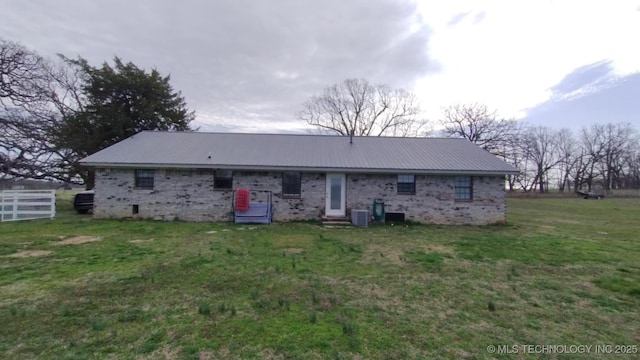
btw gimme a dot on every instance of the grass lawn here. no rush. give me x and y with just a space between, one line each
562 271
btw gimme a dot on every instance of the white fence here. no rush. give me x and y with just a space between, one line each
27 204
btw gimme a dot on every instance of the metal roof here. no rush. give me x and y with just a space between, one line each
299 152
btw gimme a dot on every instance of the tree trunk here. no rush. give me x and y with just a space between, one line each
541 180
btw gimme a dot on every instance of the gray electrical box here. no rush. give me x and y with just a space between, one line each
360 217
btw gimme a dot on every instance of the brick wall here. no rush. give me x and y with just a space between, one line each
434 201
189 195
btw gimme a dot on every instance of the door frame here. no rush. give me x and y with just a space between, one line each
341 212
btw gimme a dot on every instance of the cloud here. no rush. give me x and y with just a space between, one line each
590 94
239 63
478 17
584 80
457 18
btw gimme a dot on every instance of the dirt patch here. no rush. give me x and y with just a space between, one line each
439 248
30 253
293 241
165 352
140 241
78 240
378 253
293 250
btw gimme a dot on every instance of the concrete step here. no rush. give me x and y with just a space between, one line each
342 223
336 221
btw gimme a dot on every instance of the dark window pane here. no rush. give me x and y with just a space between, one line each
144 178
463 188
406 184
223 179
291 184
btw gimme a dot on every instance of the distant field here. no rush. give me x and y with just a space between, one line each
625 193
561 272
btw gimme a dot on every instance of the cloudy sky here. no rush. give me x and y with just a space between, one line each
248 65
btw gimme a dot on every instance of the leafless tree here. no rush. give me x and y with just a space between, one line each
356 107
606 150
23 79
632 162
22 75
540 145
481 126
515 156
568 157
616 146
35 94
590 155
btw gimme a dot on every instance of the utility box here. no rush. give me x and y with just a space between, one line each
394 217
360 218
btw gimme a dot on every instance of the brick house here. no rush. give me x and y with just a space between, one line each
193 176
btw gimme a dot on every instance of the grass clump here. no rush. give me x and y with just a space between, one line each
97 324
222 308
204 308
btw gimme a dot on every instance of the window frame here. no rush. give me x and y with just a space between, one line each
297 185
223 182
404 184
458 185
141 179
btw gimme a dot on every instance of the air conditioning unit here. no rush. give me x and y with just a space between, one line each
360 217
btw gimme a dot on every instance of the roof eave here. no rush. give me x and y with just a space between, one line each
303 169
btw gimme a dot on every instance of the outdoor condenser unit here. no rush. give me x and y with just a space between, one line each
360 217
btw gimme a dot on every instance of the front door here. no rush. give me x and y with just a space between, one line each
335 204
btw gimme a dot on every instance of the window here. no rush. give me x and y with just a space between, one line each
463 188
407 184
144 178
291 184
223 179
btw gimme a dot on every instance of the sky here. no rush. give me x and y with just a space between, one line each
249 65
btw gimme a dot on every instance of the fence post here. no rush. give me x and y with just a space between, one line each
15 208
53 205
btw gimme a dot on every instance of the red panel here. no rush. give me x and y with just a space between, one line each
242 199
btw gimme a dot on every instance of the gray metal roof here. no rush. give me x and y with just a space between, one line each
299 152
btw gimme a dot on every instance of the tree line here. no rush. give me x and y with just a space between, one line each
55 112
598 157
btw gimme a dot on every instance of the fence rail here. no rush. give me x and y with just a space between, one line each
27 204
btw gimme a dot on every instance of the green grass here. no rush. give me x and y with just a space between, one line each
561 271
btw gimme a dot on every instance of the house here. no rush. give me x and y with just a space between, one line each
193 176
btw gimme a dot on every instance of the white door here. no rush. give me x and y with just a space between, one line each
335 204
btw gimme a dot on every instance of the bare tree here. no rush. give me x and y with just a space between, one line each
24 84
481 126
590 157
616 145
632 178
605 149
356 107
22 75
517 156
568 157
540 145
